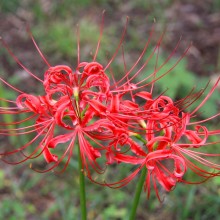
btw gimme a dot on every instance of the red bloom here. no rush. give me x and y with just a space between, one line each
107 120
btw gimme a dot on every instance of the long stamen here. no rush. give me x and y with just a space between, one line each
206 98
119 45
139 58
18 61
38 49
78 44
100 36
12 87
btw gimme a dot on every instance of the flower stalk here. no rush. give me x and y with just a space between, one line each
137 194
82 187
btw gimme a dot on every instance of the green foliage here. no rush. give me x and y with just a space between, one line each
216 5
9 6
60 39
2 176
177 79
12 210
7 118
184 201
152 5
209 108
172 76
112 212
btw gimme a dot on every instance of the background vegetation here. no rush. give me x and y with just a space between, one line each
25 194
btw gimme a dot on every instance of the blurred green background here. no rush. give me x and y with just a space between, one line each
25 194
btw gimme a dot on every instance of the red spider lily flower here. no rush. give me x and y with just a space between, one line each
57 111
171 137
89 106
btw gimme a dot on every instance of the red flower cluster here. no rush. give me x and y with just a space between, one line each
120 121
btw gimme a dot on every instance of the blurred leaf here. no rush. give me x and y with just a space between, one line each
9 6
2 177
112 212
179 77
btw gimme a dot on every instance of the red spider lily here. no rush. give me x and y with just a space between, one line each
60 111
166 130
105 117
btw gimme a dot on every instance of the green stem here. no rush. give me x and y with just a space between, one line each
137 194
82 187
